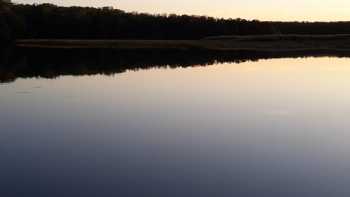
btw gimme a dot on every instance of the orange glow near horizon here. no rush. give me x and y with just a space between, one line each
274 10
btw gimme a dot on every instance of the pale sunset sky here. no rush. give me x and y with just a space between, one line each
281 10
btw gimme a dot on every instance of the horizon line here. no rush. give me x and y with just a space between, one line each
185 14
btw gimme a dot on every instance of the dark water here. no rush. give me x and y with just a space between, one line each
180 125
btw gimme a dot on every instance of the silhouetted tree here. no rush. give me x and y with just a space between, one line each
10 24
50 21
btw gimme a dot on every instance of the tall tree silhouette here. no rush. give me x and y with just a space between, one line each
50 21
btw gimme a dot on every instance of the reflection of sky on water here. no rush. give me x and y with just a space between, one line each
267 128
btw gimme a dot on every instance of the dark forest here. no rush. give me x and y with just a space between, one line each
46 21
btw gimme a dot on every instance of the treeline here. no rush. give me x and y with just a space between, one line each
50 21
11 25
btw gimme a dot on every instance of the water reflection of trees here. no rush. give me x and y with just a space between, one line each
44 63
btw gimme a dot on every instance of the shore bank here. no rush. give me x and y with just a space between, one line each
220 43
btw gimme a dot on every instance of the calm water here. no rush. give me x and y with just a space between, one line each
277 127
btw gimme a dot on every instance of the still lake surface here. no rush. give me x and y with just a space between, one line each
275 127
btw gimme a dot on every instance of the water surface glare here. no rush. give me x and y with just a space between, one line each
276 127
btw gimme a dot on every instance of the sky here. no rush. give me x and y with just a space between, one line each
275 10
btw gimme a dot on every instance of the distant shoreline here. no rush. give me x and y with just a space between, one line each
219 43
